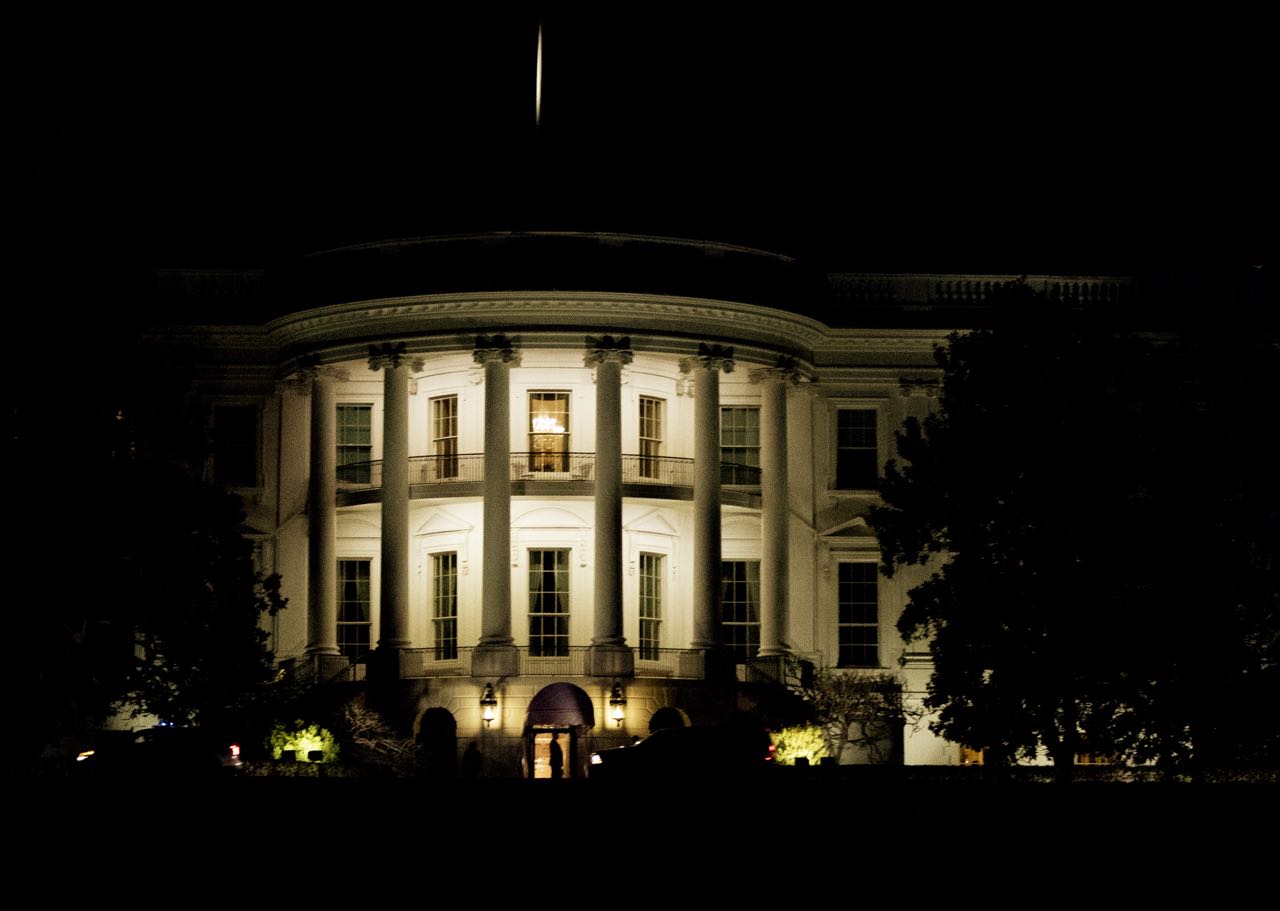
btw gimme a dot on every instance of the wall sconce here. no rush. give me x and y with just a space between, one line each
617 705
488 705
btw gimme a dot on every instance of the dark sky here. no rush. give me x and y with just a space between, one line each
858 141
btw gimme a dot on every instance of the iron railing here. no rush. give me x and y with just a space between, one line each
446 469
734 475
680 663
553 466
661 470
673 663
665 471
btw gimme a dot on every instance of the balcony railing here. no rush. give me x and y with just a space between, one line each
675 663
660 471
446 469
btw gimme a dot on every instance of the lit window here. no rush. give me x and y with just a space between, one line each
857 461
355 443
444 433
859 615
444 604
650 436
548 603
235 445
548 431
740 607
353 607
739 445
650 605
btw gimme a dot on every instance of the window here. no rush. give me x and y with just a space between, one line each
444 433
353 607
857 462
650 605
739 445
859 616
740 607
235 445
548 431
650 436
355 443
548 603
444 604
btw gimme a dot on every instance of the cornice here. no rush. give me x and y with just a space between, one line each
464 314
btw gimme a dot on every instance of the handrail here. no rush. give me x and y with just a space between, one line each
461 468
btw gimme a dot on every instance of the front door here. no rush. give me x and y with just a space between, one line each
551 753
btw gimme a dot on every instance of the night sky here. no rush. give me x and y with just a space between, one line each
858 142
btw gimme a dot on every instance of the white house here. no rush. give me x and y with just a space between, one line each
551 481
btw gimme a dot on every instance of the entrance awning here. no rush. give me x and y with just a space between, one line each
561 705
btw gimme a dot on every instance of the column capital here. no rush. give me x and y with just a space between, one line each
389 355
496 348
309 370
712 357
787 371
607 348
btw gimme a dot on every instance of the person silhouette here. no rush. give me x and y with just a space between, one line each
471 761
557 757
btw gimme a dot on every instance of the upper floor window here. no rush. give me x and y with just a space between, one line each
859 620
857 459
548 431
740 607
444 604
650 605
740 445
651 432
353 607
235 445
355 443
444 435
548 603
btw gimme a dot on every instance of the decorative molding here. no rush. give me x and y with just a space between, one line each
393 356
607 348
787 371
710 357
684 387
497 348
309 370
919 387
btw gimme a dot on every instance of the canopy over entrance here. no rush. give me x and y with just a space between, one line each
561 705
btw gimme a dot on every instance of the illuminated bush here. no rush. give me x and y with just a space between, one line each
303 738
804 741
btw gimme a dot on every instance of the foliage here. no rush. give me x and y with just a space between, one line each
370 741
807 741
1048 498
302 738
862 709
191 596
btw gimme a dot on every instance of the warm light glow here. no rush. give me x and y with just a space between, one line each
488 714
85 755
595 759
235 750
618 715
546 424
537 90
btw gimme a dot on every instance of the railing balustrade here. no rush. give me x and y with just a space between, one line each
463 468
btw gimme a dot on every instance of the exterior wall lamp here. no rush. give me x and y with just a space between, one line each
617 705
488 705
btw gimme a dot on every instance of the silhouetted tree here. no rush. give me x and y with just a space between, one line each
865 710
1067 494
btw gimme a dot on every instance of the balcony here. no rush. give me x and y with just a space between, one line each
665 663
546 474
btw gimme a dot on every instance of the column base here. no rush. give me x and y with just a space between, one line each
495 661
611 661
767 669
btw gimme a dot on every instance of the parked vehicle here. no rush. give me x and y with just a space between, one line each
163 750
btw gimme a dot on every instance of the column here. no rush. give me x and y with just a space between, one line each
394 614
609 655
775 512
706 367
496 656
322 566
